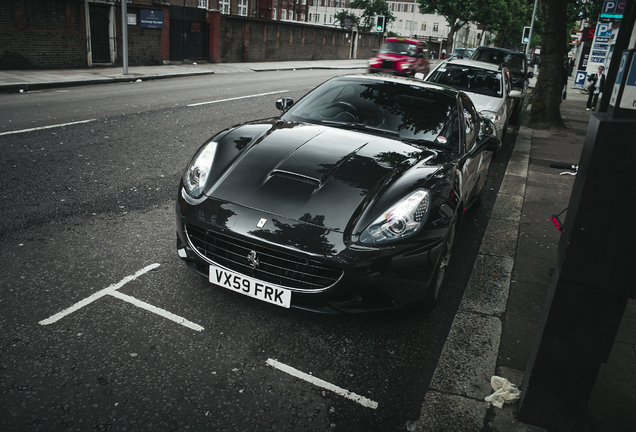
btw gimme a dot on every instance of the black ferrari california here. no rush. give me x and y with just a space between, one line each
347 202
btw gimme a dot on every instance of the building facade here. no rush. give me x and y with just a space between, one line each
87 33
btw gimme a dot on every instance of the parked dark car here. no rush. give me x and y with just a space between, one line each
347 202
462 53
400 56
517 65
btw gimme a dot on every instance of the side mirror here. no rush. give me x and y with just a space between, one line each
530 75
515 94
486 143
283 104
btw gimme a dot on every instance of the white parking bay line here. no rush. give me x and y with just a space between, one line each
158 311
368 403
237 98
46 127
112 290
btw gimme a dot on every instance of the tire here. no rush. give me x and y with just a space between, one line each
432 293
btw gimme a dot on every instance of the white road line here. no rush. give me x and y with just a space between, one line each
46 127
368 403
236 98
158 311
99 294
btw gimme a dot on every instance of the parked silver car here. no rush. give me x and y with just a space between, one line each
488 85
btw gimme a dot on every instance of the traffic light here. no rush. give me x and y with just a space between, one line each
379 24
526 35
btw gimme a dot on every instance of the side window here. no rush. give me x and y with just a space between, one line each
471 123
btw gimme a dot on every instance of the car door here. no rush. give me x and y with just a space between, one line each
509 102
470 166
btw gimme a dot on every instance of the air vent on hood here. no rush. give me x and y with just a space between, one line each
297 177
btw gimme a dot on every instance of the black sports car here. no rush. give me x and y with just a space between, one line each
347 202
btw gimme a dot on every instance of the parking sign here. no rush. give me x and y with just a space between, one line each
579 79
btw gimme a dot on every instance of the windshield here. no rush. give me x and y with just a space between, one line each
401 48
469 79
516 63
409 112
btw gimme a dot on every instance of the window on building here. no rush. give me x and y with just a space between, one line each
203 4
331 3
407 27
224 6
317 18
274 16
423 26
283 14
290 15
242 7
302 17
435 27
304 2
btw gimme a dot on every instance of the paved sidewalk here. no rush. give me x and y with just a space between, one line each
497 320
26 80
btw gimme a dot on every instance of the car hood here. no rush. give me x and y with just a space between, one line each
486 103
316 174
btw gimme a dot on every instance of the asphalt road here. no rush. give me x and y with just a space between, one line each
104 328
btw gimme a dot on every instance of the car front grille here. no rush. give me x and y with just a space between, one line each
280 268
387 64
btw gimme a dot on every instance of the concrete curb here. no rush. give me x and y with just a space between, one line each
25 86
461 381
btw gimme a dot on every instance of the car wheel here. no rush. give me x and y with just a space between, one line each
432 294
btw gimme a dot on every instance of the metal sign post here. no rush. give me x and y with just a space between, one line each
124 34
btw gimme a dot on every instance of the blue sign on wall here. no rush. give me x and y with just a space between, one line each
151 18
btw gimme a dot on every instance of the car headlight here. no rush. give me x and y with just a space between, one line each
196 176
492 116
401 220
404 65
374 62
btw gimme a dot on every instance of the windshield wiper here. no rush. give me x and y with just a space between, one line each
361 126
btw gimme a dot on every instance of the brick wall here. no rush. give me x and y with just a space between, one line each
38 34
144 44
248 39
42 34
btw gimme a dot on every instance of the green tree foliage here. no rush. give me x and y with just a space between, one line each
457 13
590 10
508 19
371 9
343 15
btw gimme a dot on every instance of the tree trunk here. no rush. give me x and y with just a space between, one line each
546 102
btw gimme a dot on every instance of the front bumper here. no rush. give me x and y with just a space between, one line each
368 278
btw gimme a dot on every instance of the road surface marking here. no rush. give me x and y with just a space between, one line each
158 311
112 291
46 127
324 384
237 98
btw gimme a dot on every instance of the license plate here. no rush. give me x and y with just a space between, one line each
250 287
